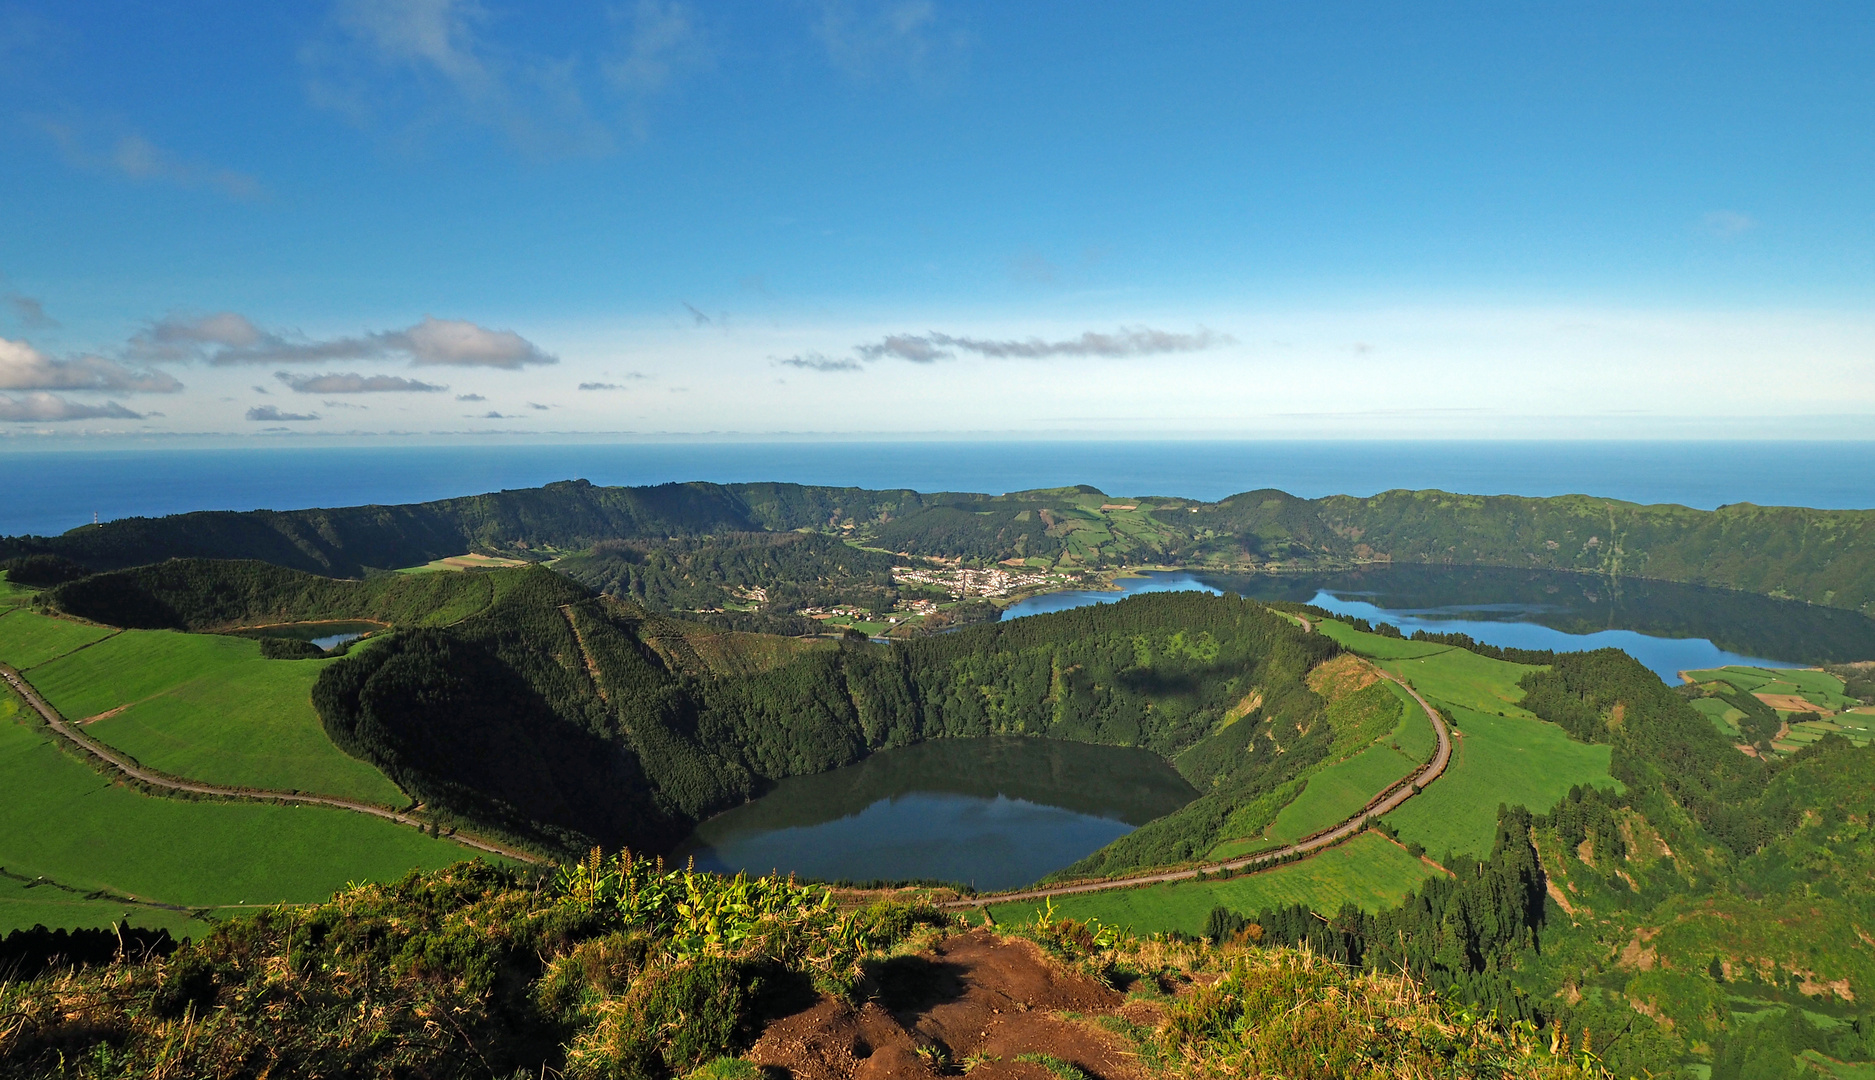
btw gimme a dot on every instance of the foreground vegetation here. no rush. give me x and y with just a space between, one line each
619 968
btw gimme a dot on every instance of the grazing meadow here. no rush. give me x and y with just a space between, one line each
203 706
1501 753
65 821
1369 871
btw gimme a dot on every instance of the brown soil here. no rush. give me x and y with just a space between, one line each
1344 675
1791 703
971 995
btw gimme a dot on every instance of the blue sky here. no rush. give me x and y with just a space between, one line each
403 216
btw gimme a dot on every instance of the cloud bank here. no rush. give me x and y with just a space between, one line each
227 338
350 383
1122 343
38 408
23 367
928 348
817 362
272 414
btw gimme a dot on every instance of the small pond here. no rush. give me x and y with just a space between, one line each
323 634
993 812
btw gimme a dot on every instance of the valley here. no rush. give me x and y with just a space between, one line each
250 733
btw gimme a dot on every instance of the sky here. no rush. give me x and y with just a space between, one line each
416 218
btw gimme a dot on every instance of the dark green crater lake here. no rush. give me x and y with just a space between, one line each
993 812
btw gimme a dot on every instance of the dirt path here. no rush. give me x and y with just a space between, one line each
1379 805
153 778
592 668
975 996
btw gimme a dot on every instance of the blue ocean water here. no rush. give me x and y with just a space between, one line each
49 491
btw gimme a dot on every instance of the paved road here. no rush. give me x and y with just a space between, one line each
156 779
1380 804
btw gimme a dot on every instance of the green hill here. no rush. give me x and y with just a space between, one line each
1824 557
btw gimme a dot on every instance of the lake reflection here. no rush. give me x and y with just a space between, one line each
1151 581
1669 627
992 812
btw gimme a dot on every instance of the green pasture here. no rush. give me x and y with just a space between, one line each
1369 871
208 707
11 594
26 904
62 820
1724 717
28 639
1414 736
1337 792
1375 646
1838 1070
1818 687
1458 677
1496 759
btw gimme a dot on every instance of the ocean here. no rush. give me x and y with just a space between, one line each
49 491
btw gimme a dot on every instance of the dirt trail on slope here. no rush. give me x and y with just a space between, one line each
974 994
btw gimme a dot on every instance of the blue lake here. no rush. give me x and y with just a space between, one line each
991 812
1667 657
1666 626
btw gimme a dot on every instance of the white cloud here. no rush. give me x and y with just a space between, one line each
1726 224
23 367
37 408
460 343
931 347
412 62
227 338
135 156
661 42
865 38
350 383
814 361
272 414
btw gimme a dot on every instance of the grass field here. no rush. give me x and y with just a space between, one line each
462 562
1496 759
1501 754
28 639
24 905
1338 792
1724 717
63 821
1369 870
1414 736
207 707
13 595
1819 687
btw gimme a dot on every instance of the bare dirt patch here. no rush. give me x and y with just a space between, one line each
975 996
1792 703
1343 675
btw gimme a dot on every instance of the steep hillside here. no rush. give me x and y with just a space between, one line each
562 718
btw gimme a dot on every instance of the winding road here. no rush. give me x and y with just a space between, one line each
1379 805
153 778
